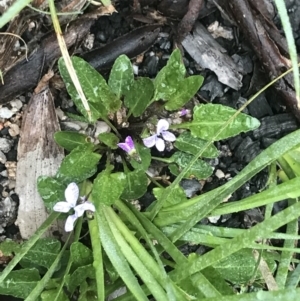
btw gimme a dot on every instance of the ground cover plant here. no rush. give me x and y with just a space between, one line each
99 180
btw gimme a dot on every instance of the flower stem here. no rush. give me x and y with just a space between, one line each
165 160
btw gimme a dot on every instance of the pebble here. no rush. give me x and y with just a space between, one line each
101 127
5 145
214 219
6 113
3 173
71 126
2 158
14 130
220 174
60 114
16 104
190 187
11 169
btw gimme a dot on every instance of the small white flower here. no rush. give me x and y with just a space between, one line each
71 195
161 130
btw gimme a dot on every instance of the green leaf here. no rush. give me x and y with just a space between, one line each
208 119
121 76
116 256
108 187
79 276
70 140
51 190
145 156
190 144
185 90
136 185
169 77
79 165
97 108
50 295
77 117
101 99
109 139
239 267
80 255
43 253
139 96
200 170
9 247
20 283
176 196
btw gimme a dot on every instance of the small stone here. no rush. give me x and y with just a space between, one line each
11 169
190 187
6 113
3 173
135 69
214 219
17 104
101 127
5 145
2 158
68 125
219 174
60 114
12 185
14 130
89 41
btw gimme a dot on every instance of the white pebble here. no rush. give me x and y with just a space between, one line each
214 219
5 145
135 69
101 127
5 113
71 126
2 158
219 174
3 173
17 103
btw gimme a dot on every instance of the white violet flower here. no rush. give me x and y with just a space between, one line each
71 195
161 130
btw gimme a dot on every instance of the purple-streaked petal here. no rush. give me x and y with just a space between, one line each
62 207
160 144
168 136
162 125
69 225
150 141
183 112
79 210
128 145
124 146
129 142
72 194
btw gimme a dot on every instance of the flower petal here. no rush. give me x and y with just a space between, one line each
128 146
79 210
150 141
69 225
162 125
129 142
160 144
183 112
124 147
72 194
62 207
168 136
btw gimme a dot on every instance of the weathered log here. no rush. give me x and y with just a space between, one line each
38 155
